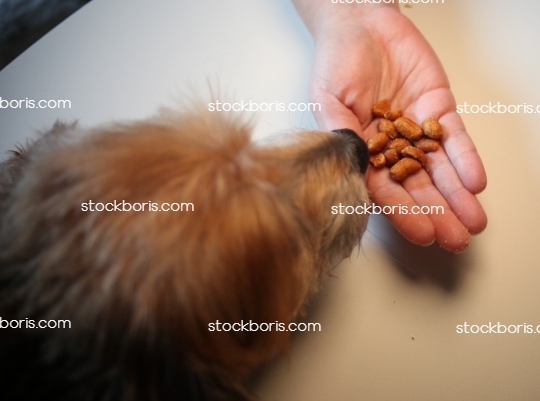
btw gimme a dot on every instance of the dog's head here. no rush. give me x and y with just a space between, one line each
253 238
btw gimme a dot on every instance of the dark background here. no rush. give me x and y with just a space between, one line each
23 22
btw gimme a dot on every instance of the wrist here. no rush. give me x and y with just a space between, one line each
326 16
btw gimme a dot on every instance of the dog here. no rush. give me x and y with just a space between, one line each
141 287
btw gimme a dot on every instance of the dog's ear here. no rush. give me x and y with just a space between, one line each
12 169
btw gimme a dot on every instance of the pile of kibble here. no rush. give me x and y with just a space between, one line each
401 144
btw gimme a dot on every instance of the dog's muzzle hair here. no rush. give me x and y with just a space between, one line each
140 288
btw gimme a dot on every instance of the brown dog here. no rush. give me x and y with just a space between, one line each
141 287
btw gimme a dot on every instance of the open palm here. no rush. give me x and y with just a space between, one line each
382 55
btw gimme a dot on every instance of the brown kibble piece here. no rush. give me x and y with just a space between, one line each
399 144
388 128
377 143
404 168
415 153
392 157
427 145
432 128
402 144
381 108
377 160
408 128
393 114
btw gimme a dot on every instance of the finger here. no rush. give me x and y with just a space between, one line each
440 104
462 153
450 232
385 192
334 115
463 203
456 168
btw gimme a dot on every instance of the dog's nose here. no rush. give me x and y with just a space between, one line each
362 152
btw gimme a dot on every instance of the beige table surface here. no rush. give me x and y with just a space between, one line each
389 316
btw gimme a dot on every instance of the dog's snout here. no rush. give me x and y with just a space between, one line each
362 152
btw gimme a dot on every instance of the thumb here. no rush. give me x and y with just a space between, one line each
333 115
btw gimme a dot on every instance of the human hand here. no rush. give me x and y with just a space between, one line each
365 54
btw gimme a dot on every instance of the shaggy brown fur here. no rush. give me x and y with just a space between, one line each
140 288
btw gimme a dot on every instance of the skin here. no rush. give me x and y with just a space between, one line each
367 52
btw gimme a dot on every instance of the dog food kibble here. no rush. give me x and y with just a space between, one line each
392 157
432 128
393 114
404 168
381 108
377 143
427 145
377 160
401 144
415 153
388 128
408 128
